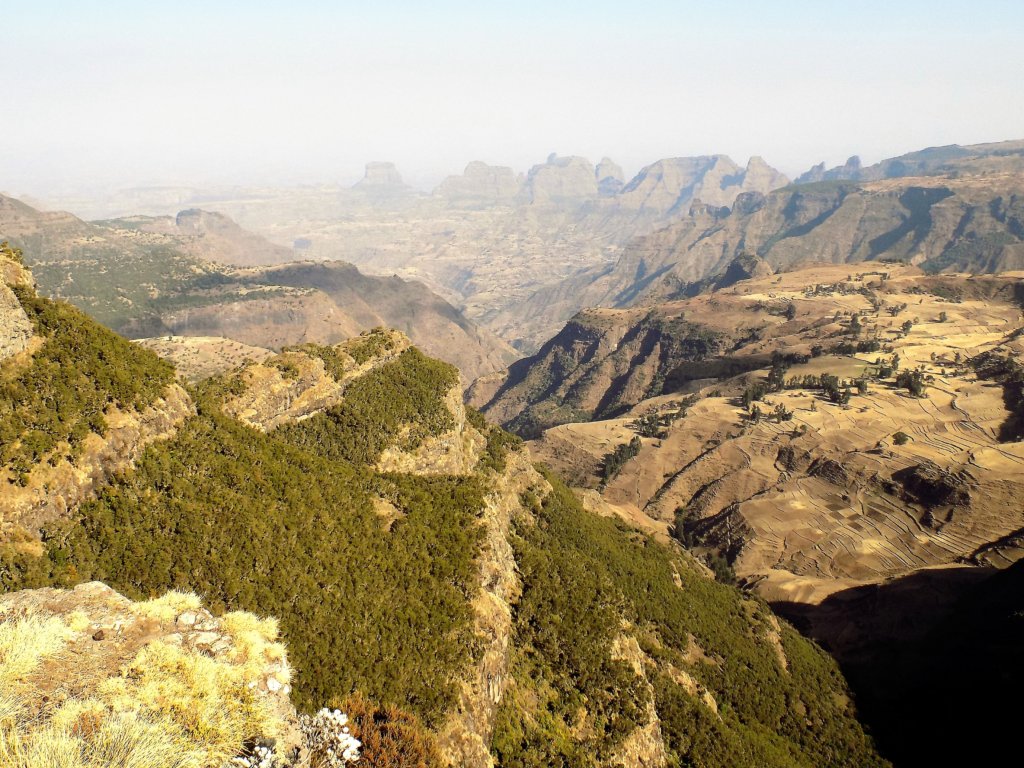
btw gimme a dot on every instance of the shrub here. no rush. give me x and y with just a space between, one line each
900 438
9 252
584 579
80 370
913 381
389 736
616 460
721 568
170 705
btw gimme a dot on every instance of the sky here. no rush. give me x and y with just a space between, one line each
114 93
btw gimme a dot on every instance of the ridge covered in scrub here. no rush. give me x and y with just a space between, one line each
414 556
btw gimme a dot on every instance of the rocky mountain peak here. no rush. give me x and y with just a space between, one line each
849 170
561 180
610 178
380 176
480 184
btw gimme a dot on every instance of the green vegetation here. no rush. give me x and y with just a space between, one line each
900 438
263 522
499 442
126 284
583 576
615 460
913 381
333 359
370 344
399 402
80 369
285 523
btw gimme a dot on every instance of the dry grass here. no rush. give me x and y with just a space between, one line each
169 706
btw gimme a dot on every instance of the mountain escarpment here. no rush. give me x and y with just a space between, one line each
512 626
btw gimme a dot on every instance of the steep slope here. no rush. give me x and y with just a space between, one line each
70 418
918 466
414 554
149 277
963 217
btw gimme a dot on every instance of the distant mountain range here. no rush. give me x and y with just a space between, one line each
949 209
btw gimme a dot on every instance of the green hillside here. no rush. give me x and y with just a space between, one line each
286 523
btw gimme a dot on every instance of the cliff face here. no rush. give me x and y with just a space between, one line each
40 492
53 490
15 327
601 364
670 186
480 185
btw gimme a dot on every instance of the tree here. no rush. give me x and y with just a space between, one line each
942 317
777 377
913 381
900 438
791 311
781 414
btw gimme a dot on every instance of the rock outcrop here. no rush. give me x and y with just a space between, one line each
153 683
54 489
465 738
560 181
295 385
453 453
668 187
610 178
480 185
15 327
381 177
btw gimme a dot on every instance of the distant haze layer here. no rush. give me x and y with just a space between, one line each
237 93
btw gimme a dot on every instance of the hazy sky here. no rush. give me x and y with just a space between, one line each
149 92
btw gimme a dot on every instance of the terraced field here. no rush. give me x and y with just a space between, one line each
835 494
